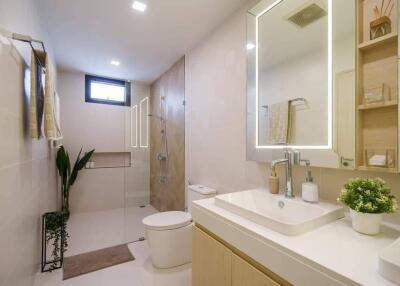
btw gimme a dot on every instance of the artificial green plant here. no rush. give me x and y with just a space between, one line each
368 196
68 176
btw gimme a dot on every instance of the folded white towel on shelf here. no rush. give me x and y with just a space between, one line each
377 160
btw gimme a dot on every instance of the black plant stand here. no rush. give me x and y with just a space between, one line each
48 266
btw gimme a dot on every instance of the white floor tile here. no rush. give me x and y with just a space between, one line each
102 229
134 228
96 230
150 276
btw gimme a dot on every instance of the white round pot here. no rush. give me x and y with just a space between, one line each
366 223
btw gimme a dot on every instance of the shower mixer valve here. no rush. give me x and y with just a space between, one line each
161 157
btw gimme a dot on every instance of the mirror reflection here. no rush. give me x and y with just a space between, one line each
293 71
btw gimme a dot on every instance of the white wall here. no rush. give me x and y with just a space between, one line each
105 128
27 167
215 91
215 121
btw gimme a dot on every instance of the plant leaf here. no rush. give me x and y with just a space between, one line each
79 165
82 163
74 172
68 163
60 161
63 165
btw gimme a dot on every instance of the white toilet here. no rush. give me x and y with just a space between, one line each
169 234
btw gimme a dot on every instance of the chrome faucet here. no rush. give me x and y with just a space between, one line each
291 157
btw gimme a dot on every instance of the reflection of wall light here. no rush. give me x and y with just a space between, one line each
139 6
250 46
330 84
330 74
115 63
144 100
134 122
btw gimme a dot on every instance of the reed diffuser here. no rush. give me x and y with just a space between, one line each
381 25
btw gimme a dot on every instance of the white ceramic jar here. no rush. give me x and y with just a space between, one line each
366 223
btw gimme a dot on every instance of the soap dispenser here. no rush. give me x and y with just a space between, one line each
309 190
273 182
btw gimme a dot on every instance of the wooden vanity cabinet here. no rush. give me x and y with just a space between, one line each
211 262
216 264
243 273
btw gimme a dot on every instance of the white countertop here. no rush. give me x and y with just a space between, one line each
333 254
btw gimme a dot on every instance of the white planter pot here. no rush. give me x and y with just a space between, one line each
366 223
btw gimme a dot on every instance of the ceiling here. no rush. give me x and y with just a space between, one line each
87 34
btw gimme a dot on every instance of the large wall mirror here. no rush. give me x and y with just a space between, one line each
301 80
293 74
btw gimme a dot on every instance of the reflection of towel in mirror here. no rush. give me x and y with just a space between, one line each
51 122
279 123
37 95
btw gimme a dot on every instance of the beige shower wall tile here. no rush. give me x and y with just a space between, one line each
12 87
16 187
44 179
26 176
15 144
20 221
171 194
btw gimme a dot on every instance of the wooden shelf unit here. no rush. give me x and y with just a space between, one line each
377 125
371 44
377 105
377 169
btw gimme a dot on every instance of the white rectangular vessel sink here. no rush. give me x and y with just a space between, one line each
389 262
283 215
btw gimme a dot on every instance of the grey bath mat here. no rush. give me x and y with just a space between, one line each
96 260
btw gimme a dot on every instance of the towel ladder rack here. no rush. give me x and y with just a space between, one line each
30 41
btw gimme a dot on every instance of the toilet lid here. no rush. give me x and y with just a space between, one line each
167 220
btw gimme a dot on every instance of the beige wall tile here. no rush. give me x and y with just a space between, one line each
99 189
27 169
168 195
91 126
215 90
105 128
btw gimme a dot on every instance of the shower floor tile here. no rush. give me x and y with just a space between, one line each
96 230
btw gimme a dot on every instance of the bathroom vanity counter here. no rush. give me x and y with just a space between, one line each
333 254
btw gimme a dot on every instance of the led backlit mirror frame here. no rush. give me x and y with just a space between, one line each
254 15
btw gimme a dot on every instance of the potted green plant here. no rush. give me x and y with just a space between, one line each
368 200
68 175
54 234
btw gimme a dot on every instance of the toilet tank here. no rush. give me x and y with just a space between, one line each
198 192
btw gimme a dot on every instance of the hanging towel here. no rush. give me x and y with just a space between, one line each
37 94
51 101
279 123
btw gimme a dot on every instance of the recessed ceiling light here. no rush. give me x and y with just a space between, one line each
250 46
139 6
115 63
